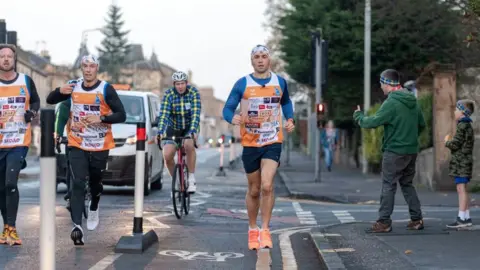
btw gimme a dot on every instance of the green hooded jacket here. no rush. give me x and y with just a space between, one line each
61 116
402 119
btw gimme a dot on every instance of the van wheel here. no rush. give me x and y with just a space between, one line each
147 187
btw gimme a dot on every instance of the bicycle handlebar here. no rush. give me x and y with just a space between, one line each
174 138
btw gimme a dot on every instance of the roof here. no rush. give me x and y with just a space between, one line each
135 93
32 59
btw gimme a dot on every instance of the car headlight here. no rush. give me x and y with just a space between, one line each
210 141
220 140
131 140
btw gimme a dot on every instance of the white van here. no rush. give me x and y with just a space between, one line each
120 170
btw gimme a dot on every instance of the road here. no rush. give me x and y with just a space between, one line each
212 236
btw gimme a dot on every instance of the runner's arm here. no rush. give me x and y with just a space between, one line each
34 98
195 111
62 116
233 100
55 96
165 113
286 102
118 111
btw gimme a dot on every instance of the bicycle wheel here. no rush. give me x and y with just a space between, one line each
177 194
186 195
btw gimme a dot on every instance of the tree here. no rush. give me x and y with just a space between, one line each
406 35
115 45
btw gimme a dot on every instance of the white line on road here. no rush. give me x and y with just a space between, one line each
344 216
288 257
105 262
305 217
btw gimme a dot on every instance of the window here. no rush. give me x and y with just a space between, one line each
134 108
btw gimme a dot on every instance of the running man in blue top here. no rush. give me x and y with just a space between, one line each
262 96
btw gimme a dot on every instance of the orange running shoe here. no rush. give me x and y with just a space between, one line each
253 242
13 238
265 239
3 236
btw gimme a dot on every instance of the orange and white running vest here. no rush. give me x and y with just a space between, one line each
14 101
89 137
261 113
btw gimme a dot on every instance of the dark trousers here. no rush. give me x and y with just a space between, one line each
401 169
85 166
11 161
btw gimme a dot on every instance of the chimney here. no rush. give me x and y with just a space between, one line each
45 54
190 74
3 31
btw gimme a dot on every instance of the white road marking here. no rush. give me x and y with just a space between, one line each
288 257
344 216
105 262
190 256
305 217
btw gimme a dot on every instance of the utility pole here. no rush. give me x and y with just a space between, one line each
318 97
367 73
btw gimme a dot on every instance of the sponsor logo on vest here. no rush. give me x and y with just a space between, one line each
277 91
275 100
11 140
22 91
252 125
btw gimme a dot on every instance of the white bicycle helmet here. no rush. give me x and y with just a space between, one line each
179 76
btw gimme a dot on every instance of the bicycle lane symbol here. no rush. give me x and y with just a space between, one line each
190 256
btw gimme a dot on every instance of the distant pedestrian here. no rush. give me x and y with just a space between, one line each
403 121
461 162
329 142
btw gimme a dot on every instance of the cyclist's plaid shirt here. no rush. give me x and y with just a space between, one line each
180 111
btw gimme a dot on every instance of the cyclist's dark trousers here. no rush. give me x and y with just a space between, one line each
11 160
86 166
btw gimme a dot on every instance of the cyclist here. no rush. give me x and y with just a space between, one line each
94 106
262 95
180 116
20 103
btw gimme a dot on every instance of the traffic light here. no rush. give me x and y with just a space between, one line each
320 108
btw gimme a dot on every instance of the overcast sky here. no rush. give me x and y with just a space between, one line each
213 38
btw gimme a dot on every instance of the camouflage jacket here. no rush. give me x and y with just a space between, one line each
461 147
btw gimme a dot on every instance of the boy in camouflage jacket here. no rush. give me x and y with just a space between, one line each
461 162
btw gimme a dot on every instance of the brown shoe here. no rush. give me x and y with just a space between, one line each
415 225
380 227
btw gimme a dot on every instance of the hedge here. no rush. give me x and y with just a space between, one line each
373 137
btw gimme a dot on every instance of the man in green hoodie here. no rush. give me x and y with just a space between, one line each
62 115
403 122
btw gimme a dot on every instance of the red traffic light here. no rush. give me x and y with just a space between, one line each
320 108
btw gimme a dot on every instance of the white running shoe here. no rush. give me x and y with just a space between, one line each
93 220
192 185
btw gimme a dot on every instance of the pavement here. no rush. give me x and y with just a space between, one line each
348 185
350 206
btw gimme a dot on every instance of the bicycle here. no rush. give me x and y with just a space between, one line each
88 196
182 170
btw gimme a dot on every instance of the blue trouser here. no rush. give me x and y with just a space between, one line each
11 161
328 156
